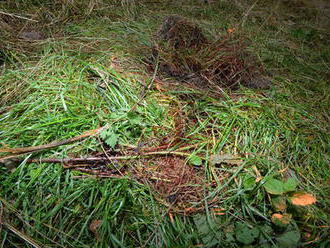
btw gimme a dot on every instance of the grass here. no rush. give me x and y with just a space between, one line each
89 74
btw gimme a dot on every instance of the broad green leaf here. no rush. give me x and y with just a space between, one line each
109 137
290 185
205 227
249 182
274 186
288 240
230 233
134 118
112 140
266 229
266 245
245 234
195 160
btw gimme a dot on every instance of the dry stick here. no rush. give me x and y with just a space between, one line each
23 150
93 172
76 166
97 176
19 215
105 159
21 235
17 16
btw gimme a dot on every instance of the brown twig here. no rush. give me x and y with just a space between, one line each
97 176
68 160
17 16
104 159
15 160
93 172
21 235
30 149
65 166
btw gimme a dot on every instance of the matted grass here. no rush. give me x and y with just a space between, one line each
89 73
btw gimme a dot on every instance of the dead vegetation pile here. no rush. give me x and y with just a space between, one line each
184 53
176 182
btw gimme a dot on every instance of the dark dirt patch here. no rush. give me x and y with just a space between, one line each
31 35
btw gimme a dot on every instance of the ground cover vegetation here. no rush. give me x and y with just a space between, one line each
110 137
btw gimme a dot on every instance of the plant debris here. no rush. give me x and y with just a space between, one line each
176 181
302 199
94 226
184 53
180 33
281 219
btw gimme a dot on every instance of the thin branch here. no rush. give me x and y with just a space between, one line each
97 176
23 150
104 159
99 159
17 16
21 235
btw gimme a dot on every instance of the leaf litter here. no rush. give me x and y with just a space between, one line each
302 199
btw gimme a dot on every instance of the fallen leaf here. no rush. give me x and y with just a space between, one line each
288 239
94 226
279 203
277 187
246 235
190 210
159 85
281 219
230 30
302 199
219 213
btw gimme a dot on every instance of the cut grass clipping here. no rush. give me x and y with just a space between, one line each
168 169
